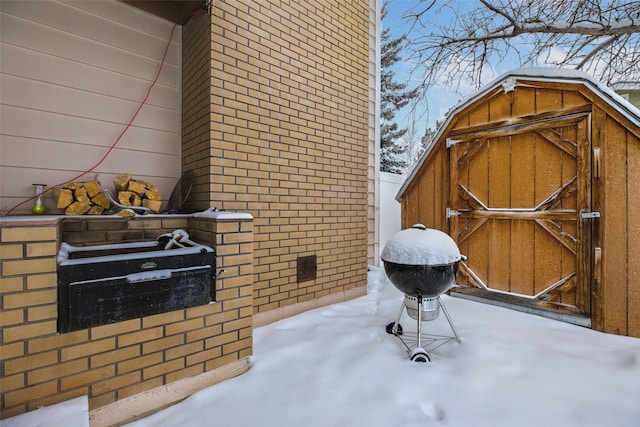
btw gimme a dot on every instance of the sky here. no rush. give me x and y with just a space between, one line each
336 366
440 100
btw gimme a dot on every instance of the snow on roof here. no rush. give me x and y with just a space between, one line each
607 94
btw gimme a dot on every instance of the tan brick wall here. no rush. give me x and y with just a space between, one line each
289 141
374 135
113 229
39 367
196 94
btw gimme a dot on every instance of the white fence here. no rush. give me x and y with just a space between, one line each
389 208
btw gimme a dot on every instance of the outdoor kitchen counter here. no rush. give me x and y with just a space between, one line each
31 292
29 220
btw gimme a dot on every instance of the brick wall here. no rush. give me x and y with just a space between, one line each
196 94
39 367
286 136
105 230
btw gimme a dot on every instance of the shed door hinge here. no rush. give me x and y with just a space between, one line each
451 142
589 215
451 212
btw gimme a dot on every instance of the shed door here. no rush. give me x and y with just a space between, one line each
517 195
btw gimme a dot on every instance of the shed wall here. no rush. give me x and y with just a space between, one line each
615 297
425 201
617 300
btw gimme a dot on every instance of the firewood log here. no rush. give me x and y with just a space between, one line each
135 192
121 182
80 198
77 208
65 198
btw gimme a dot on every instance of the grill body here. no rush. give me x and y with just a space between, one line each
421 263
421 280
104 284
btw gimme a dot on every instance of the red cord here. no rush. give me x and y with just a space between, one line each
144 101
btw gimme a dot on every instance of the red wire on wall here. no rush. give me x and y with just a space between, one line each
115 143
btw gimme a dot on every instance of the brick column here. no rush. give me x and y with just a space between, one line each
231 235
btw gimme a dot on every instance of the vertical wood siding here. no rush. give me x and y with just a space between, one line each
73 74
615 297
620 230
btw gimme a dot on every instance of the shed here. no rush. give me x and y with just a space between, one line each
537 178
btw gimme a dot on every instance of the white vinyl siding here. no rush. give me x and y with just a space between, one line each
72 75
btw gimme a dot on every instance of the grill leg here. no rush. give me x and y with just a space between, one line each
400 313
395 328
446 313
419 344
419 354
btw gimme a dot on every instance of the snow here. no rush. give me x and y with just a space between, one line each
66 249
214 213
72 413
336 366
419 245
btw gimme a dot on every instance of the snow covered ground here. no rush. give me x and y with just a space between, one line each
336 366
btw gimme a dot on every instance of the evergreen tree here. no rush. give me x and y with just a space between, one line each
393 96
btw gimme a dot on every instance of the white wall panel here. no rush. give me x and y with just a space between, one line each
30 123
72 74
50 97
43 67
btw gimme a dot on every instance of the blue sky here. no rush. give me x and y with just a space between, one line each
439 99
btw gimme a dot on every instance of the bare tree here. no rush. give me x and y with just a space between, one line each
451 45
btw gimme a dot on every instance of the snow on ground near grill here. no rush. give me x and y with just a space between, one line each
70 413
420 246
336 366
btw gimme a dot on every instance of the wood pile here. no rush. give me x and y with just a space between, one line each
88 198
134 192
80 198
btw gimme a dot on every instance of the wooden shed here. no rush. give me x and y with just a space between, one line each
537 178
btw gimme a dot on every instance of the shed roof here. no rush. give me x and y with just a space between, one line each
604 92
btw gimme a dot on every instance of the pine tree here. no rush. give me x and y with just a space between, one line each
393 96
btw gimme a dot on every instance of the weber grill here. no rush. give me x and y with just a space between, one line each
104 284
422 263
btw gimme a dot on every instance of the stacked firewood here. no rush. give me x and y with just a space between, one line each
135 193
88 198
80 198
